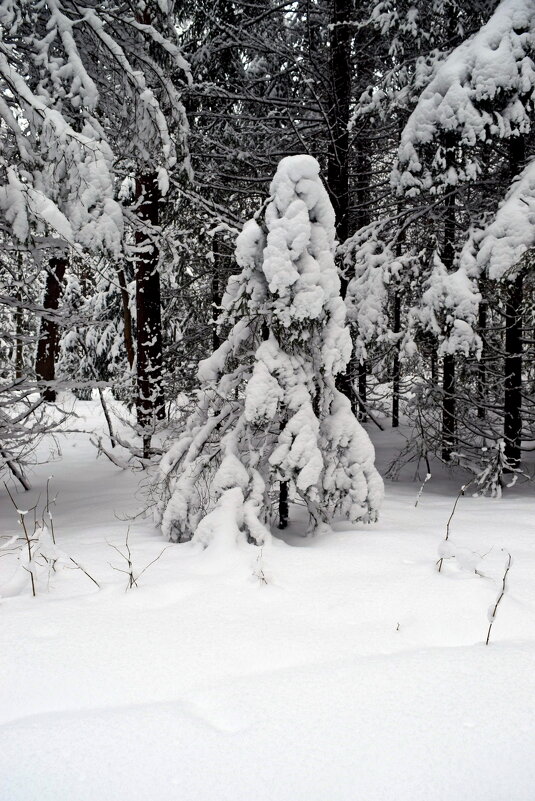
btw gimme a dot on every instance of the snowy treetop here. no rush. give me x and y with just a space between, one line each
298 258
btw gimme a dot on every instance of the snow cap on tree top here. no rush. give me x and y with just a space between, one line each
298 257
299 175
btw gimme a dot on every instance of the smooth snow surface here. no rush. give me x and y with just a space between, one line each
356 673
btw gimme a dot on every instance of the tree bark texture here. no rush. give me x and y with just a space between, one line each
338 158
340 86
512 401
150 401
448 367
217 285
127 318
47 346
482 367
283 505
396 362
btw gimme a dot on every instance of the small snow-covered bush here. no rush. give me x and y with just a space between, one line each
268 412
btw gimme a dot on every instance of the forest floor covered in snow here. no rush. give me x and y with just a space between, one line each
337 668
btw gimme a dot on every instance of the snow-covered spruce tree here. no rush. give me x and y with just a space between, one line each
268 412
387 257
467 138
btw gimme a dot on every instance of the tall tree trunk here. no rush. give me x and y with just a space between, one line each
19 341
338 153
363 166
448 366
448 406
340 85
150 401
448 256
217 284
512 401
47 346
19 324
396 328
396 364
127 317
482 367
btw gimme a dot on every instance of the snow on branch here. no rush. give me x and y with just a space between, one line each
502 243
494 66
269 414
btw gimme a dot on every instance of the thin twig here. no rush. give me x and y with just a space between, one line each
48 511
426 479
500 596
107 416
153 561
132 579
446 538
84 571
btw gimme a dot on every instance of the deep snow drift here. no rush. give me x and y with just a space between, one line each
356 672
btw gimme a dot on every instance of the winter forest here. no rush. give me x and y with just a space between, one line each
267 400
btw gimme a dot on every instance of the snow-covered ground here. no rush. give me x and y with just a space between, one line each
356 673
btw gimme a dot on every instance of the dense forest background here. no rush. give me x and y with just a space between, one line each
258 260
137 138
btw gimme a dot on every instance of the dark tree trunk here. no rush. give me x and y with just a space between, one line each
340 86
338 154
363 166
19 341
448 407
481 367
448 367
127 318
396 364
345 383
396 315
19 325
362 391
216 303
396 328
283 505
448 256
47 346
512 402
217 284
150 401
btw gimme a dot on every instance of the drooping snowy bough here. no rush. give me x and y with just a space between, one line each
483 93
268 411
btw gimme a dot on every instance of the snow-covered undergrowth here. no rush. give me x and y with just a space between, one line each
337 668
